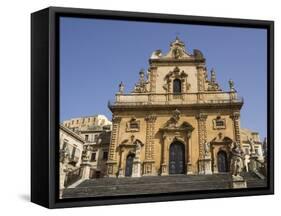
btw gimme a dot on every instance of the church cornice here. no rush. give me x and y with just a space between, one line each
207 106
176 62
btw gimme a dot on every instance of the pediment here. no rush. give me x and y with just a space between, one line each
220 138
131 142
177 51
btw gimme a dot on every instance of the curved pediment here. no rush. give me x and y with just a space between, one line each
176 73
220 138
177 52
186 125
131 142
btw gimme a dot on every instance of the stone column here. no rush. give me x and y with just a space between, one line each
188 153
202 137
200 83
170 90
63 172
152 74
112 162
236 125
62 176
120 167
148 164
164 168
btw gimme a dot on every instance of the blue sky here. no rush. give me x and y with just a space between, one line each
96 55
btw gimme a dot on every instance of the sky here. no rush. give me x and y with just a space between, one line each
96 55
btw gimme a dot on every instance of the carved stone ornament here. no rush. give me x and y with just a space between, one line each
177 53
177 48
176 74
172 122
212 84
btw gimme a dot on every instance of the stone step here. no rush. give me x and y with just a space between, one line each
147 185
155 185
114 190
156 179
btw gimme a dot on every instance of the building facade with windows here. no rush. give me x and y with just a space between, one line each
82 123
251 143
71 149
84 146
97 140
176 120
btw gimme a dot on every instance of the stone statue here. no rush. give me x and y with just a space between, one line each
138 150
121 88
236 161
246 162
251 141
140 87
231 85
64 155
207 148
85 154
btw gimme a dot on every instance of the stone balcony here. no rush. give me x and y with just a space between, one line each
183 99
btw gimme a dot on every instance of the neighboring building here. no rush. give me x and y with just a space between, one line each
251 144
82 123
97 140
73 144
71 148
84 144
175 121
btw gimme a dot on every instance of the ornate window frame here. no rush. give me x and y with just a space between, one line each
219 119
129 127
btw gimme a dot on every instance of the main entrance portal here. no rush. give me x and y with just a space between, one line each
176 162
222 161
129 165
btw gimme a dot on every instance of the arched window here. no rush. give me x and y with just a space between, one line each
177 86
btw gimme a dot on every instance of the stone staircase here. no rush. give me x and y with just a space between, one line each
254 181
152 185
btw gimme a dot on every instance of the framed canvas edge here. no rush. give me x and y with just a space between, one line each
52 200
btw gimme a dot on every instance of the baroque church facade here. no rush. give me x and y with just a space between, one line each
176 120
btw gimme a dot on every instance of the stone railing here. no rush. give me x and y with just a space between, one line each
184 98
72 176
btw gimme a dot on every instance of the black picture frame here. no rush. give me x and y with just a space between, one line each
45 105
